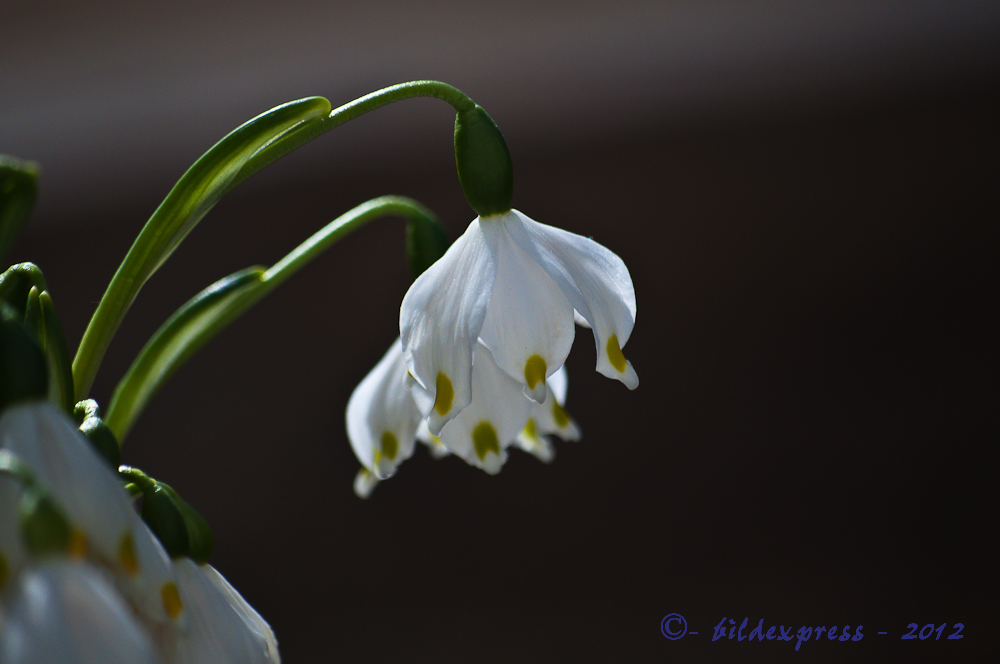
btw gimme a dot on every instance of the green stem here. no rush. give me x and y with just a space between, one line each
302 134
242 153
211 311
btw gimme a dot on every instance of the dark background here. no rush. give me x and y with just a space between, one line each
806 198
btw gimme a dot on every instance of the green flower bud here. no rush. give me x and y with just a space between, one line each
16 283
483 162
201 541
164 518
88 414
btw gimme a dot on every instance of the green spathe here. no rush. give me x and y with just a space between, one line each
483 162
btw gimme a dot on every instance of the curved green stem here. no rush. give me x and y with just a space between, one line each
307 131
209 312
236 157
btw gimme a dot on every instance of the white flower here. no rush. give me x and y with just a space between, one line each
103 520
381 416
548 418
113 596
384 419
224 628
67 611
513 285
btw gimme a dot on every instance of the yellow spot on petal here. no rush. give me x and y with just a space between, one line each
390 446
445 395
126 555
77 544
560 414
171 600
531 429
534 371
484 440
615 354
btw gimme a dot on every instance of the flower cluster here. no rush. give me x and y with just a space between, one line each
83 579
484 333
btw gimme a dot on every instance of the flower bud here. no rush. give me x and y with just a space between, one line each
162 515
483 162
97 432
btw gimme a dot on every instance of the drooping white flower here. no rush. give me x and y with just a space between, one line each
103 521
384 408
514 285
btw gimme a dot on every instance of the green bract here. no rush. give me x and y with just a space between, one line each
483 163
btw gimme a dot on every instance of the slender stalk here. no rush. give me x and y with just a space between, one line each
211 311
242 153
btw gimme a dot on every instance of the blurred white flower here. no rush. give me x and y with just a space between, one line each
512 285
113 595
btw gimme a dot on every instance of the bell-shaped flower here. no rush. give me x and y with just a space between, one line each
104 523
514 285
382 417
223 628
68 611
549 417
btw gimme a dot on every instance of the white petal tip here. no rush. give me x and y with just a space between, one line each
628 377
536 394
365 483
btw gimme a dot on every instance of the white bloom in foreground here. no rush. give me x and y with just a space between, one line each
514 285
67 611
113 595
224 628
103 520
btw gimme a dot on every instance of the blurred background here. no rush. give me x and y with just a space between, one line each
805 194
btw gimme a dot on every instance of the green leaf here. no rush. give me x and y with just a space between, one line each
186 204
181 336
18 190
209 312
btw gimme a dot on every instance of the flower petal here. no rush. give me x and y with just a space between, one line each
529 322
365 482
593 279
64 611
440 319
382 417
481 433
219 632
547 418
253 620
